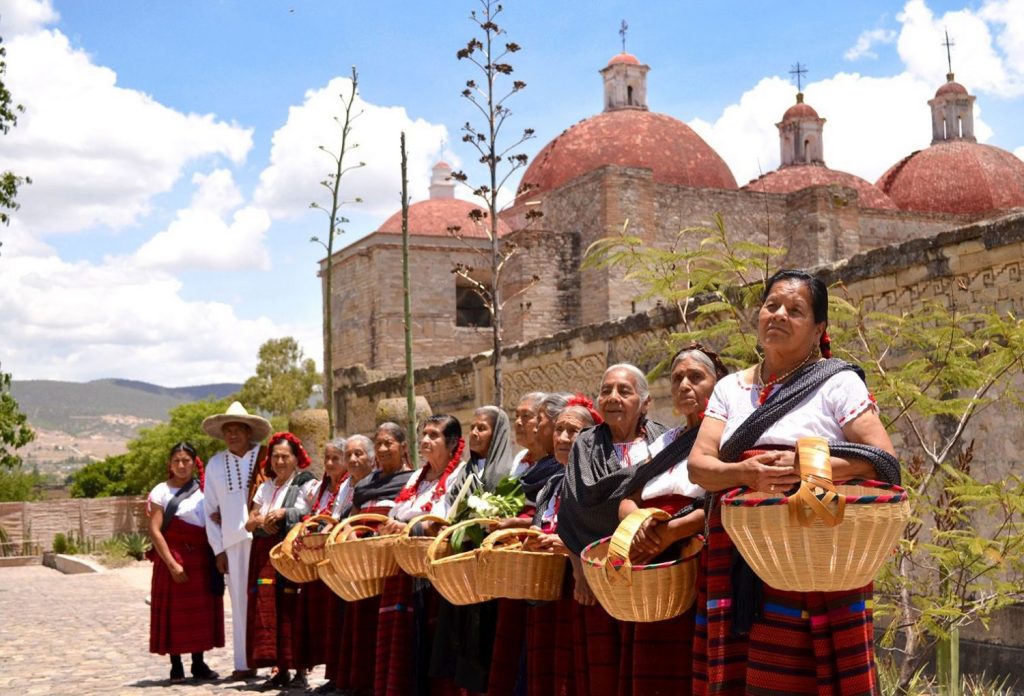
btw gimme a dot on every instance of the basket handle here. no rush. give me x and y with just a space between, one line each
315 520
352 529
422 518
617 565
495 538
435 545
813 458
365 517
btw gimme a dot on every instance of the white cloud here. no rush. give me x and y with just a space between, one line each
988 55
866 42
97 152
25 16
81 321
297 164
201 238
872 122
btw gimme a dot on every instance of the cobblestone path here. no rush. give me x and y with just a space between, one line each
89 634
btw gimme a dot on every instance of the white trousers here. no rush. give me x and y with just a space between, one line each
236 581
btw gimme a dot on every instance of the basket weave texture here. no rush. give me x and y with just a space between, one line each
311 545
813 557
507 571
654 592
454 575
364 558
411 551
289 567
346 589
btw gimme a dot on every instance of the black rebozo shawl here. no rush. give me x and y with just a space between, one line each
497 463
378 486
595 483
746 586
537 476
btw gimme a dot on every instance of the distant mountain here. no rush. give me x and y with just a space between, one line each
77 407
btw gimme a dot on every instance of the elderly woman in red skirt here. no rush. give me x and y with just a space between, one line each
186 613
280 502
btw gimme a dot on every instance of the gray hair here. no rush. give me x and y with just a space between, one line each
533 397
555 403
582 412
367 444
490 411
700 356
337 443
642 388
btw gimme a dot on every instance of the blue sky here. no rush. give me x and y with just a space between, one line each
173 145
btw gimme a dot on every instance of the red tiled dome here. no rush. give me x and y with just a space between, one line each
624 58
951 87
800 110
629 138
433 217
799 176
956 177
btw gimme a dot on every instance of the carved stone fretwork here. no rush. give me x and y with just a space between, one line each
581 373
451 389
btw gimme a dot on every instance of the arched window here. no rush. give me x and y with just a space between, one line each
629 95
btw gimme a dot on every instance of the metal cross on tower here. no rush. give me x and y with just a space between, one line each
623 28
949 56
799 71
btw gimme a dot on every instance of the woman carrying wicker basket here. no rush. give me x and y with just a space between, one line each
550 662
600 474
752 638
657 655
279 503
379 470
318 613
404 635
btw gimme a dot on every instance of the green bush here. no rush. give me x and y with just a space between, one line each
64 543
134 544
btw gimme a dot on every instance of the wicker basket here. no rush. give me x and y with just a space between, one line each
346 589
645 593
791 554
310 544
362 558
454 575
286 565
509 572
411 551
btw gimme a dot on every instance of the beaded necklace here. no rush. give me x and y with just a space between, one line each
230 458
325 509
768 387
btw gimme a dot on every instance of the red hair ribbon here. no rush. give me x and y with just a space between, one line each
278 438
582 400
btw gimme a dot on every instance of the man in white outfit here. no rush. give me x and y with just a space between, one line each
230 475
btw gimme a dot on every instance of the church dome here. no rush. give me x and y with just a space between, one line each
630 138
624 58
951 87
958 177
442 210
797 177
799 110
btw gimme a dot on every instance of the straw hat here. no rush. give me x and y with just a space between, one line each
236 413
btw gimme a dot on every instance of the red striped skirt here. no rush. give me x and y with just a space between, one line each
549 645
804 642
355 651
185 617
309 633
335 610
657 657
271 610
597 650
508 656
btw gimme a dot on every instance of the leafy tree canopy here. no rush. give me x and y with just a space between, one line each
284 379
9 111
14 430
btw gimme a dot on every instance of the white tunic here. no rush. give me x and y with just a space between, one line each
335 504
675 481
269 496
420 503
227 492
822 414
190 510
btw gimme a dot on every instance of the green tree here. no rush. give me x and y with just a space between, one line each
335 220
14 430
932 370
145 463
9 182
17 484
284 380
